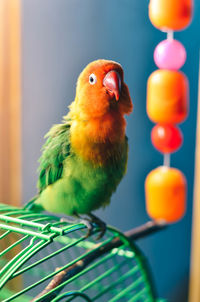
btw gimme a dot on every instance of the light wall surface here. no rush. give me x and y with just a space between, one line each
59 38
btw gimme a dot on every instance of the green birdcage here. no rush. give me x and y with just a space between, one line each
45 259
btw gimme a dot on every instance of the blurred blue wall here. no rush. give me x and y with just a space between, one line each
59 38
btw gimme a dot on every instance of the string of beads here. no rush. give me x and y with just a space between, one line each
167 106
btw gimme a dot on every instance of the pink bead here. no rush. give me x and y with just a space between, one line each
170 54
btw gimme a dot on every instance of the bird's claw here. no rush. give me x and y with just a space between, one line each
89 226
101 224
102 228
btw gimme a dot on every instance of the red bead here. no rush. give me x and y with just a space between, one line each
166 138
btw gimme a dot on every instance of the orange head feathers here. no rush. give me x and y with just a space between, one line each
101 89
102 99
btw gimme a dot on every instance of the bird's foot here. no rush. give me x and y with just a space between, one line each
89 223
68 220
82 220
101 224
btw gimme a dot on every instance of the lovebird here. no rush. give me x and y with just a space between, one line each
85 157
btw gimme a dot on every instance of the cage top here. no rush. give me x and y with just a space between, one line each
39 249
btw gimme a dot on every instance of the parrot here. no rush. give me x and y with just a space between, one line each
85 157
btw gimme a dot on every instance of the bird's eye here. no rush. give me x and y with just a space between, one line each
92 79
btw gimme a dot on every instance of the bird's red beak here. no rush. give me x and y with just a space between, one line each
112 82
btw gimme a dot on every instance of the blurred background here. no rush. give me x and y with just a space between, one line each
58 39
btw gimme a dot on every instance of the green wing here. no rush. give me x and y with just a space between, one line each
55 150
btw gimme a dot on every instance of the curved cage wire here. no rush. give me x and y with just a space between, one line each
44 259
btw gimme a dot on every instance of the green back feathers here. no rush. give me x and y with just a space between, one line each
55 150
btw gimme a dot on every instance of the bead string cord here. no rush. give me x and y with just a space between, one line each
166 159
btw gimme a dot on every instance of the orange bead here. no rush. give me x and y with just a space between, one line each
165 191
170 14
167 96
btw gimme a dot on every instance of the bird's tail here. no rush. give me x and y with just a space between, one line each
32 206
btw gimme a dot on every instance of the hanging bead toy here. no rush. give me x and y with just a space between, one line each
167 105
